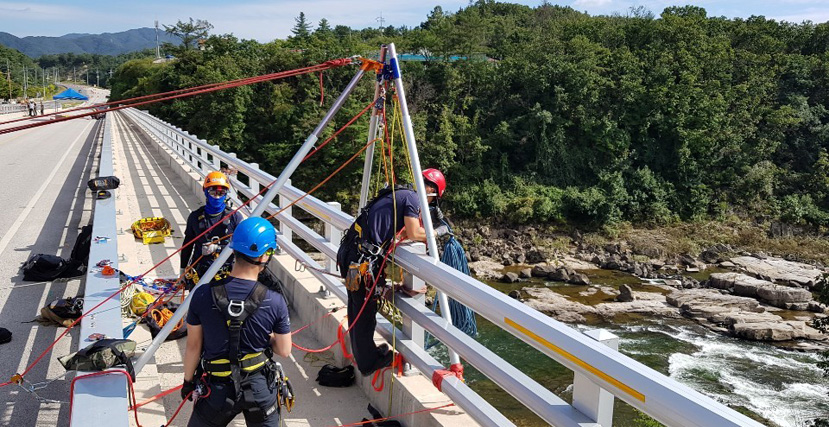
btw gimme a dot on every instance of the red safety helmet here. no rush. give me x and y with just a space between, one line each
436 178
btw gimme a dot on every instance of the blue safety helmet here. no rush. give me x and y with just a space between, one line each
253 237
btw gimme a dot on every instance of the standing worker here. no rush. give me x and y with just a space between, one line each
216 186
41 107
234 326
361 253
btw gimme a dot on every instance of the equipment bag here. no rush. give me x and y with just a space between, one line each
104 183
101 355
44 267
5 335
80 252
63 311
332 376
156 322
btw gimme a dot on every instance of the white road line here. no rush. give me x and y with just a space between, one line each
22 217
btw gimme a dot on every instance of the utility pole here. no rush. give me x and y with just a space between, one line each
9 78
381 20
97 78
157 47
25 82
73 73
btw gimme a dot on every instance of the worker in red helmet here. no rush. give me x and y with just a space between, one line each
361 253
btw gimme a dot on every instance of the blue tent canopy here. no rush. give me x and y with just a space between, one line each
70 94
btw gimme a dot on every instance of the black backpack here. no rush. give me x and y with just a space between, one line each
45 267
80 252
332 376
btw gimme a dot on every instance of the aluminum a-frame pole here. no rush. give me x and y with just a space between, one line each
372 135
421 187
275 188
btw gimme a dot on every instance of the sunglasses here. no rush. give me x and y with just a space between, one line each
217 191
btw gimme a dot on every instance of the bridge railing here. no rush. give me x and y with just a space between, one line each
601 372
102 400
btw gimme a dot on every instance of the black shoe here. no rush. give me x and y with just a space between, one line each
384 361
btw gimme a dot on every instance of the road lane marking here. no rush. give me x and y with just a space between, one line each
22 217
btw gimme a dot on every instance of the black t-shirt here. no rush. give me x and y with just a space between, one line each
271 316
381 219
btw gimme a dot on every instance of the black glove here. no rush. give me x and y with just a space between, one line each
187 387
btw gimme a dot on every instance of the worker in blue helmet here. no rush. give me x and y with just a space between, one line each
234 326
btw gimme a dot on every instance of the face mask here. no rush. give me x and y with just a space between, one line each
214 205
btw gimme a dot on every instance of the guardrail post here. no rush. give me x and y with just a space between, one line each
414 283
333 235
588 397
286 231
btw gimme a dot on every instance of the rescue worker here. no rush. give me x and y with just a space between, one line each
216 186
233 326
365 244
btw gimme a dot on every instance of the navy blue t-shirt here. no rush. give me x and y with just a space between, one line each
272 316
381 215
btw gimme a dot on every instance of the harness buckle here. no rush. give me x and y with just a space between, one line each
235 304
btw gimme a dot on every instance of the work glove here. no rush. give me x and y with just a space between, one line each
442 230
209 248
187 387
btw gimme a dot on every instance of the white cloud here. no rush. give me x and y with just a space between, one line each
591 3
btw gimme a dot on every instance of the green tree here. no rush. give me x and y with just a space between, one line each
189 32
302 29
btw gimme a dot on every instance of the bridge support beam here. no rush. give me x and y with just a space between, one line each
589 397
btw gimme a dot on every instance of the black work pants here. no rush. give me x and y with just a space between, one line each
369 357
216 410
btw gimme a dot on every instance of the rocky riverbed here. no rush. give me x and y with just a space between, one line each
750 296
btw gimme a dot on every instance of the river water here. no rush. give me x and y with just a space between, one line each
771 384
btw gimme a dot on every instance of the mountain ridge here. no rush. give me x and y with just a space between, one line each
103 44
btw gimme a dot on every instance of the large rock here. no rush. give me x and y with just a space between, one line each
747 286
625 294
779 269
559 275
485 269
543 270
563 309
556 305
535 256
525 273
742 317
579 279
509 277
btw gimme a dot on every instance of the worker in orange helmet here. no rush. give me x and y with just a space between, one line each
365 244
207 247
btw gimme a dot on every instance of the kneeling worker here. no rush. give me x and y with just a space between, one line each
365 244
234 325
216 186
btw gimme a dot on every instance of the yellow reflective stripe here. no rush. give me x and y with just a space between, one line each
220 374
218 361
576 360
254 367
250 356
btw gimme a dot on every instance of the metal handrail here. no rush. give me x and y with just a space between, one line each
659 396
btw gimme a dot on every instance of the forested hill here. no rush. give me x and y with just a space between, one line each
100 44
585 119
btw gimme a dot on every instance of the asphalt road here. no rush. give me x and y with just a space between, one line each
45 170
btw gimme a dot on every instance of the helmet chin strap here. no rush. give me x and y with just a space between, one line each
253 260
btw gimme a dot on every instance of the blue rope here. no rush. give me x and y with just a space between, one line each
463 317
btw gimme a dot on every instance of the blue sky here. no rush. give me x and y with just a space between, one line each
267 20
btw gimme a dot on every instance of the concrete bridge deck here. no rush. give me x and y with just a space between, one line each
47 204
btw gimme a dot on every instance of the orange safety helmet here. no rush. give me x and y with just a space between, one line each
216 179
436 178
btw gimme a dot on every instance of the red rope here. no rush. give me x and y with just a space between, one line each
232 84
154 398
175 414
393 417
322 91
397 362
313 68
